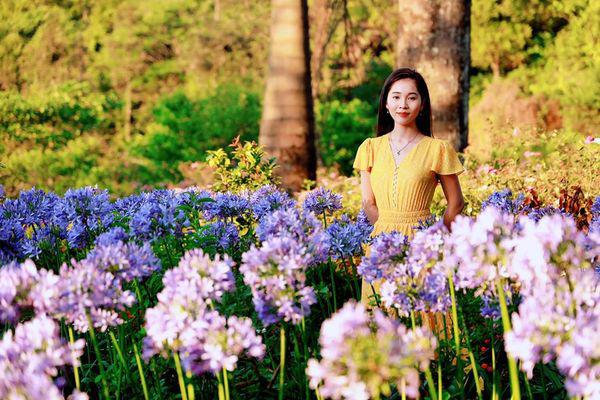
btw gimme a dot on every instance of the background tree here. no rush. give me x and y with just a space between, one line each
287 123
433 38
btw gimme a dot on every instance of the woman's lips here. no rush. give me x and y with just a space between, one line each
403 114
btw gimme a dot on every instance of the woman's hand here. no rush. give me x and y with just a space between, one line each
368 198
454 197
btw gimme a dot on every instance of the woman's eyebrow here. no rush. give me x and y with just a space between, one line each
401 93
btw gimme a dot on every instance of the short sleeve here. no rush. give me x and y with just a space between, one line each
364 156
446 160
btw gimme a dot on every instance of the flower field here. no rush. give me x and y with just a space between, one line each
196 294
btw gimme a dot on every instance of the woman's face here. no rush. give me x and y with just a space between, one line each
404 102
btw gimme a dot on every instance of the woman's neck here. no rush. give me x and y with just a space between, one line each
403 133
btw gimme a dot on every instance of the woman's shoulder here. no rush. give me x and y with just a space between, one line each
375 142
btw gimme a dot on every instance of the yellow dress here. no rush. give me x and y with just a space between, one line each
403 192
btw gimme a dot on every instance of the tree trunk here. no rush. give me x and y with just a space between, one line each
287 124
433 38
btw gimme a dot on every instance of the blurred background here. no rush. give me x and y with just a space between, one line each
131 94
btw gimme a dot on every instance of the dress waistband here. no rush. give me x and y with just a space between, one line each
402 217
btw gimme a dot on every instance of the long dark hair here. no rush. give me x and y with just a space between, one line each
385 122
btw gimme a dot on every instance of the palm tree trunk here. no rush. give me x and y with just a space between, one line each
433 38
287 124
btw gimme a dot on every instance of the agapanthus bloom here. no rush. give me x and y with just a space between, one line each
81 289
478 250
226 206
196 272
302 227
388 250
16 281
126 261
595 224
322 201
226 234
363 356
503 201
26 224
276 274
30 358
268 199
112 236
561 304
182 321
158 214
82 213
347 237
420 282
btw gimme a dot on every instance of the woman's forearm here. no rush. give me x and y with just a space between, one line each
451 212
372 212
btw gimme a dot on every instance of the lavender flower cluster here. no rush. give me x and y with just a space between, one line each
302 227
79 291
16 282
420 283
322 201
363 356
559 316
346 237
184 322
276 274
30 358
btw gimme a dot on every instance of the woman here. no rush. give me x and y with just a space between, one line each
402 166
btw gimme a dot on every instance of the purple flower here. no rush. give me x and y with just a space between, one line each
301 227
80 289
30 358
268 199
158 214
276 274
82 213
503 201
112 236
126 261
322 201
226 206
16 281
182 321
363 356
346 237
388 250
208 279
420 282
216 343
478 250
226 235
595 224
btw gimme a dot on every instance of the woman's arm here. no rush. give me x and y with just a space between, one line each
368 198
454 197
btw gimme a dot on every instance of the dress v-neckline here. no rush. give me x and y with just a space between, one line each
398 164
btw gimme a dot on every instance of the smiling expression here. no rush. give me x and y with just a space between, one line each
404 102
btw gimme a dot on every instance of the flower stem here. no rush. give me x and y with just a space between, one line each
456 337
282 361
471 356
375 295
332 274
119 351
512 365
430 383
98 356
225 384
221 391
138 361
75 368
180 376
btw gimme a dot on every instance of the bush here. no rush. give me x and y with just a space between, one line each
184 128
343 127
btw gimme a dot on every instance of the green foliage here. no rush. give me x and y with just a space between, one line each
81 162
54 117
343 127
244 168
184 129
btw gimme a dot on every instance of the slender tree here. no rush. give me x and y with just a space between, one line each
433 38
287 124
